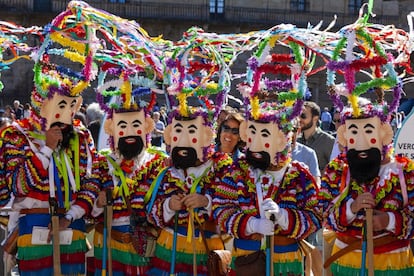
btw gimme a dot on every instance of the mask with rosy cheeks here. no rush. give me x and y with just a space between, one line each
60 109
364 134
185 134
129 128
364 139
263 139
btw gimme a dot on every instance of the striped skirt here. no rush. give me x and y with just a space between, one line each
38 259
396 262
187 254
125 260
287 259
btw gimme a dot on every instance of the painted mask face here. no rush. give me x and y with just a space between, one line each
263 141
363 134
129 133
187 140
60 109
364 142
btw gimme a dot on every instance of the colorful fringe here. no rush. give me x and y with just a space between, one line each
284 264
385 264
125 260
38 259
161 263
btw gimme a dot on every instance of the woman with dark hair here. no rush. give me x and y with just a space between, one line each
228 137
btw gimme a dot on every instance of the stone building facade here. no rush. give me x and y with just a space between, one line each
170 18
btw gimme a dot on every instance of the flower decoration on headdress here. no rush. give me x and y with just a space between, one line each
64 62
14 43
367 51
199 68
276 100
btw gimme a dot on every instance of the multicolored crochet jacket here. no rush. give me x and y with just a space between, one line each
173 183
130 182
138 174
199 180
386 189
235 200
24 176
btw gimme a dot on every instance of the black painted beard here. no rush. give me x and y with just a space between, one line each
364 169
130 147
184 157
258 160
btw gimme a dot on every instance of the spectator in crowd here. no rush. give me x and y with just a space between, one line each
228 136
94 116
81 117
223 114
305 154
337 148
326 119
26 110
164 115
313 136
157 133
9 113
17 110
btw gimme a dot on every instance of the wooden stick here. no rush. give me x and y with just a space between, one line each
55 238
109 230
272 247
191 212
370 242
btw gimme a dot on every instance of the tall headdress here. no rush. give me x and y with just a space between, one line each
198 76
64 62
131 66
275 84
366 56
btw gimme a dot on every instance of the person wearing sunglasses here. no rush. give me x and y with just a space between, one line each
228 136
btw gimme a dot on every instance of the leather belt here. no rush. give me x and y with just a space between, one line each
279 239
354 244
115 235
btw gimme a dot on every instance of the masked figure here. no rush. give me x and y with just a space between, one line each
183 205
48 158
269 195
128 171
367 177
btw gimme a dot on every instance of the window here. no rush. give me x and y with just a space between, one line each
354 6
298 5
216 6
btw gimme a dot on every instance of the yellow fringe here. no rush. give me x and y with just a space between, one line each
277 257
384 261
26 240
166 239
124 247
